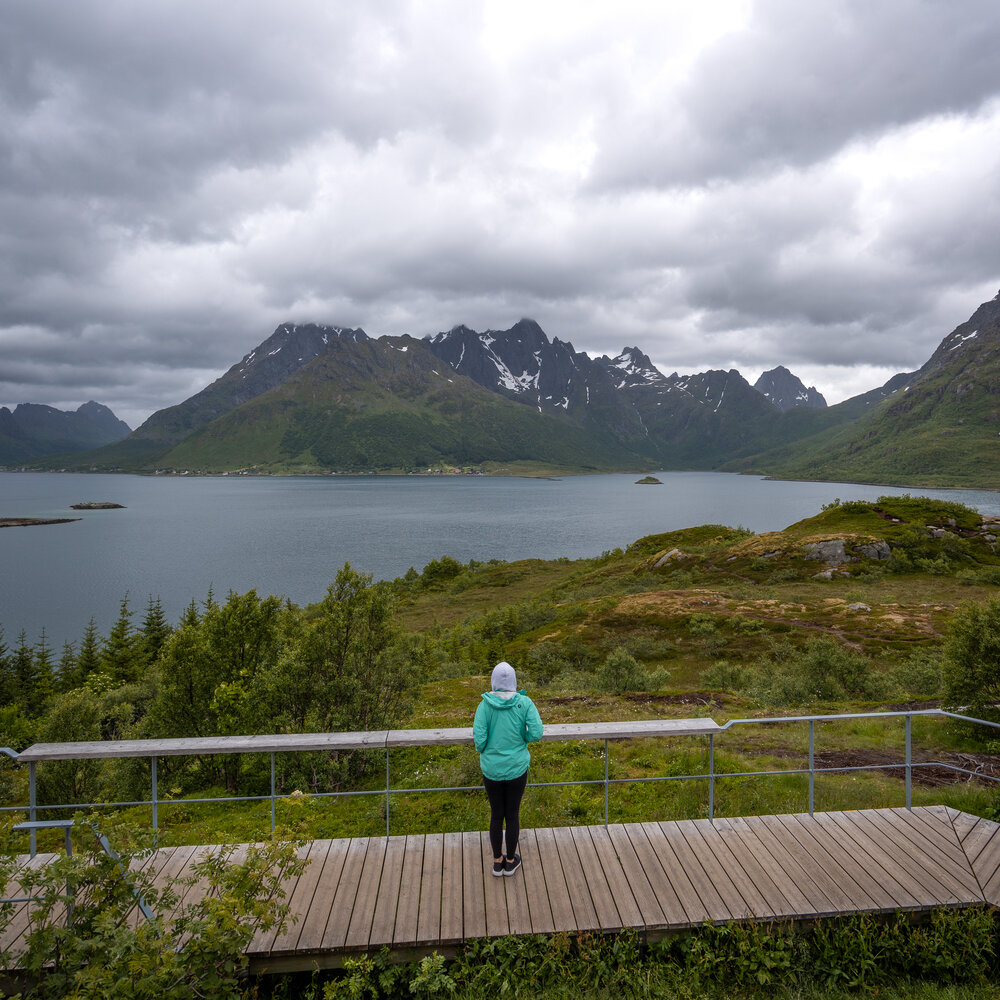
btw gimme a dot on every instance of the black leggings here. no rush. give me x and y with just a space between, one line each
505 805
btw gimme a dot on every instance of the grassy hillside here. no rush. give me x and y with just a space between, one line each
939 429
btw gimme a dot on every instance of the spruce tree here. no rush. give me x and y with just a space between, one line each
45 675
67 668
155 630
89 658
121 655
23 671
190 618
8 686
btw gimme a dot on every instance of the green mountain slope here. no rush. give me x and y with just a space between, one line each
940 428
385 404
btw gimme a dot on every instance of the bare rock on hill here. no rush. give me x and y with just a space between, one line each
875 550
833 552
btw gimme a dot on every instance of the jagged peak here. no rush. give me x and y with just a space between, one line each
786 390
311 338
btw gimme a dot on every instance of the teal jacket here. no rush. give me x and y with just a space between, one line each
502 730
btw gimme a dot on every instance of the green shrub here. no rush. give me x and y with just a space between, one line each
621 672
101 954
972 659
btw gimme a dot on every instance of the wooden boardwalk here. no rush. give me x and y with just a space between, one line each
418 893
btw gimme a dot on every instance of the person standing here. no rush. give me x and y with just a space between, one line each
506 722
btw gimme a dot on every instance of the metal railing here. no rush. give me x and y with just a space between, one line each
386 740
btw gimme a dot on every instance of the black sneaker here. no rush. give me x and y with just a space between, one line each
498 867
511 865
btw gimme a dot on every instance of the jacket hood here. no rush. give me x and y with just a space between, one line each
491 698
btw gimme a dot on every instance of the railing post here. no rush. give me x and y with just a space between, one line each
156 813
711 778
605 784
272 795
812 767
909 766
387 793
32 808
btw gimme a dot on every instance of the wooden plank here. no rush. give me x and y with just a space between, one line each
747 852
804 896
286 742
988 861
991 890
429 915
452 888
730 864
516 886
169 863
270 743
17 926
297 893
666 895
978 838
473 890
317 917
825 856
754 884
622 892
198 889
600 889
342 908
938 839
584 912
360 928
830 853
905 886
920 850
937 827
495 898
710 896
408 910
824 891
535 890
556 888
721 878
651 913
964 824
298 900
658 857
389 891
630 729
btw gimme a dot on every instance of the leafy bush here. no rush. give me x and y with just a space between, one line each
918 674
972 659
197 951
621 672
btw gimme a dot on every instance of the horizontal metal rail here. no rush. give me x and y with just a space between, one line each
386 740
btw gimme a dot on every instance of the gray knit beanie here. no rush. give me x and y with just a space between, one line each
504 678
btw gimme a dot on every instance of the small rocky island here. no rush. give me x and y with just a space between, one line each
648 481
97 505
26 522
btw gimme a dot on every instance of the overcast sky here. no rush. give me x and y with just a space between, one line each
724 184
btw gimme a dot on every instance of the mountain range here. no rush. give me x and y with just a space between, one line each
315 398
32 430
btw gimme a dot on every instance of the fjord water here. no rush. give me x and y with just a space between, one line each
179 536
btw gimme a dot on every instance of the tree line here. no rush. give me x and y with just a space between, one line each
246 664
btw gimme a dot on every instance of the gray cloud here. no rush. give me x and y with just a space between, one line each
800 81
812 185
